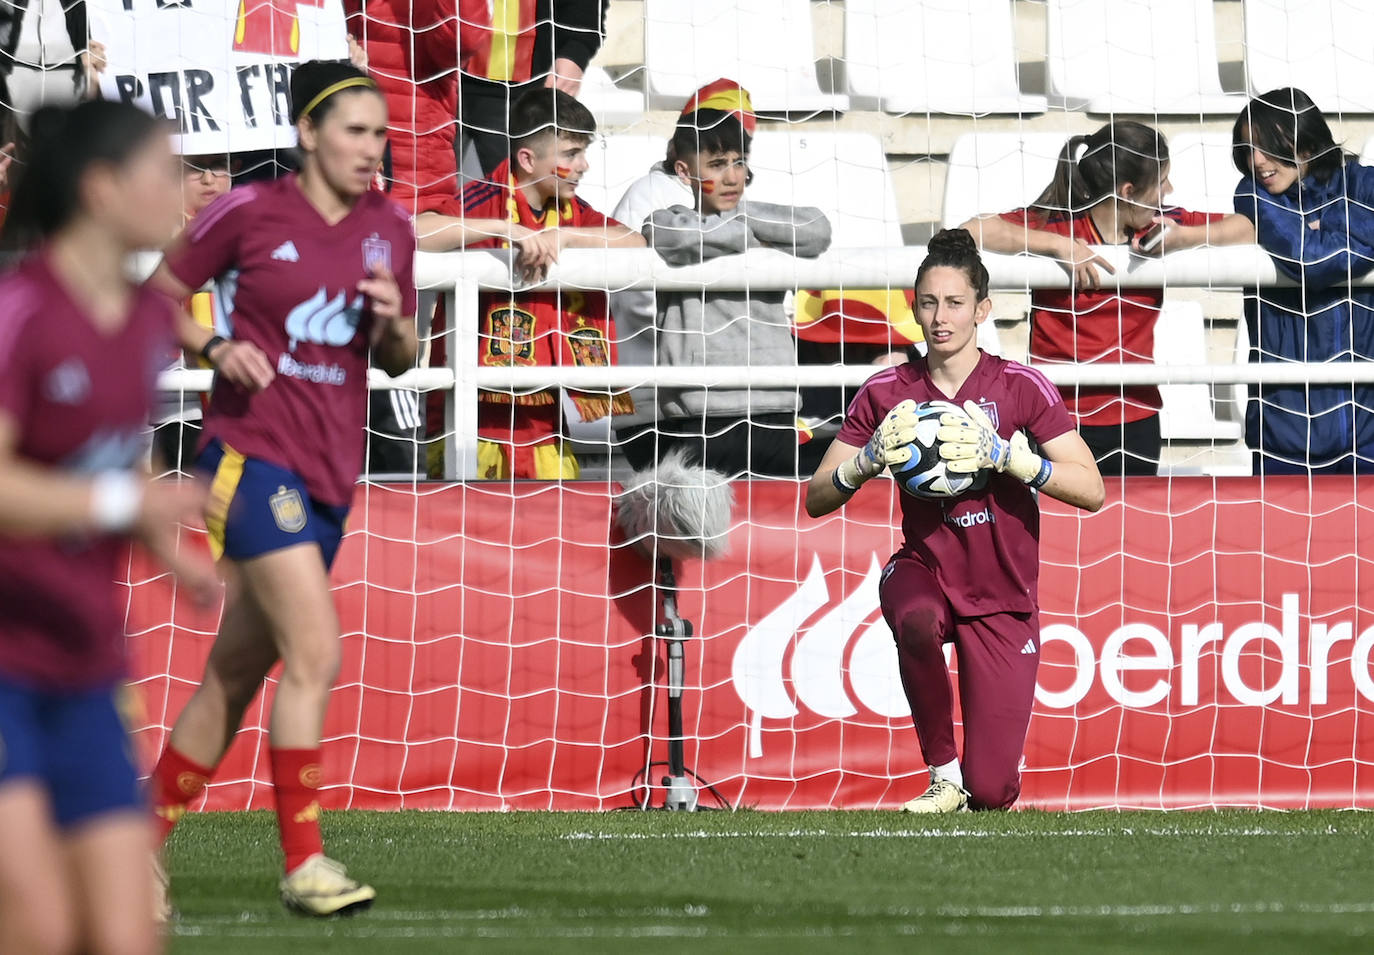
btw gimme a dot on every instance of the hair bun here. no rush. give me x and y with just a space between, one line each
952 242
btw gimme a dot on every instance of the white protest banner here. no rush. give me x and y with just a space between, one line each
221 69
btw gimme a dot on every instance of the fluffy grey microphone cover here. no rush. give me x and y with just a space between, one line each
683 505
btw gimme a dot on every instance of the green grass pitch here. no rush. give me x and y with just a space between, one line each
757 882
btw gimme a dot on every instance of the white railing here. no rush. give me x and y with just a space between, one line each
460 277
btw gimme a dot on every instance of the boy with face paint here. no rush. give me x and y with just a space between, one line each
531 204
739 431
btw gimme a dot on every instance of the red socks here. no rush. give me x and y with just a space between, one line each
296 778
176 781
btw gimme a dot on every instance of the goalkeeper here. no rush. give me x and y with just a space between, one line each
966 572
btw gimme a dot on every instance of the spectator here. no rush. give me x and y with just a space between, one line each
412 49
735 430
538 43
176 430
661 188
531 204
41 65
1310 203
1108 189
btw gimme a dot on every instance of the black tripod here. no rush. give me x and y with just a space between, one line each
681 790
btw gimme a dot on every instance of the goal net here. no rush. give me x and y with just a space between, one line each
1205 637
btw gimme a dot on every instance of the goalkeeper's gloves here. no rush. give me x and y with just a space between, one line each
970 442
888 446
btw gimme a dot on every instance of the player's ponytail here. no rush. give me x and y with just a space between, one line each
1094 167
64 143
955 248
316 84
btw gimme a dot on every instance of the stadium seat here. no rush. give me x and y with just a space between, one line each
766 45
1201 171
1135 56
843 174
614 162
611 105
1187 414
994 172
933 56
1323 47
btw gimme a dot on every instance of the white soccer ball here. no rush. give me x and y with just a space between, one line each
925 475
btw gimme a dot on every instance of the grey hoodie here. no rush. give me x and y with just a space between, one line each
738 327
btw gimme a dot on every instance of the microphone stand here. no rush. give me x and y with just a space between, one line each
681 791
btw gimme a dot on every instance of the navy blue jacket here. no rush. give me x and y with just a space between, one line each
1322 319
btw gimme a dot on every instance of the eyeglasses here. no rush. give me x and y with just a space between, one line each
196 170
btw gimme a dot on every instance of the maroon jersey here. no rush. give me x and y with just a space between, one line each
983 547
80 399
295 281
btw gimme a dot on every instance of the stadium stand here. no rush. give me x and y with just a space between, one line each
767 45
1201 171
615 161
1108 56
609 103
992 172
1323 47
843 174
934 56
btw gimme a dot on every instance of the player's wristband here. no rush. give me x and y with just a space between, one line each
215 340
1046 469
115 499
841 485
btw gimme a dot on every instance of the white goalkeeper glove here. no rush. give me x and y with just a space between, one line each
888 446
970 442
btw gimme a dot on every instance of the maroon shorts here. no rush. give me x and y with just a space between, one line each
998 655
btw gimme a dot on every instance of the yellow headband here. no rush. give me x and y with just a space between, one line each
329 91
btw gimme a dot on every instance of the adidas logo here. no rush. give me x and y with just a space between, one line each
1029 647
286 252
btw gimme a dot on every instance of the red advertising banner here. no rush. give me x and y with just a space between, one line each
1205 643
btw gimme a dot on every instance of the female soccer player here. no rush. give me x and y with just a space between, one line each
79 348
323 277
1311 205
966 573
1108 189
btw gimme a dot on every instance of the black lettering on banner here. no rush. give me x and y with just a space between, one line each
130 87
246 76
198 84
160 84
279 79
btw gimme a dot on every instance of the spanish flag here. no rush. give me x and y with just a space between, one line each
728 97
858 316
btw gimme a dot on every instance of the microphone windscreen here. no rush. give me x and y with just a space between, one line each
679 508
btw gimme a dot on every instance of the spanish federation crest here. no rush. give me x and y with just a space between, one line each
989 408
288 510
376 252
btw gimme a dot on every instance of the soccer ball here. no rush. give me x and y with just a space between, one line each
924 475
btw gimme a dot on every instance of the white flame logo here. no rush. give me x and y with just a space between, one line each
818 663
323 320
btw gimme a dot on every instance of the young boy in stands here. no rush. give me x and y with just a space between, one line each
739 431
531 204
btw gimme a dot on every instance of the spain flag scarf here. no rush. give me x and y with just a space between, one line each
568 327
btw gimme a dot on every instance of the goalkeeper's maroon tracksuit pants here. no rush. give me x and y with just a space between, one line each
997 658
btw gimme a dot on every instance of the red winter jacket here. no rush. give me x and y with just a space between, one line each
414 48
